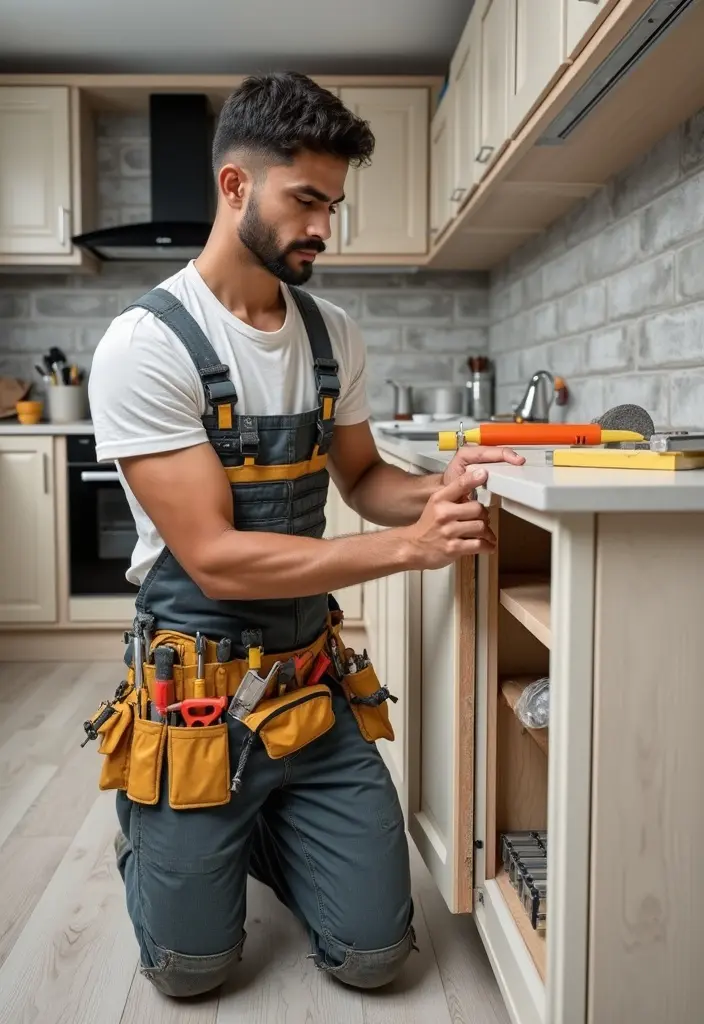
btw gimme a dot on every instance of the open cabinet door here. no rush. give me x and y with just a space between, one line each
441 733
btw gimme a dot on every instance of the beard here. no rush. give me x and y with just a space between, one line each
263 242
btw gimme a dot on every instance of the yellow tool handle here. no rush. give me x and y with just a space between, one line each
199 688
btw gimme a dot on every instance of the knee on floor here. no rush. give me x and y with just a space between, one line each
369 968
180 975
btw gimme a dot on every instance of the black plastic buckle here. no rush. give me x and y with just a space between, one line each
249 436
326 429
217 384
326 380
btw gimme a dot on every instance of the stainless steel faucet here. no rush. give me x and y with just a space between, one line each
534 407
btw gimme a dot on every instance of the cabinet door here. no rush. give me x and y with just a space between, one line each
386 211
442 758
535 52
35 170
494 44
27 530
580 16
441 169
342 520
464 79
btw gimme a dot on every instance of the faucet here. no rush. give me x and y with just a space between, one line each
542 388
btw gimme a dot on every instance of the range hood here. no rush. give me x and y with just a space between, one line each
182 188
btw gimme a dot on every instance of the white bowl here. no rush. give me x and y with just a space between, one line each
422 417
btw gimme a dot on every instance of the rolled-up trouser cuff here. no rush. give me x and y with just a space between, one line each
369 968
179 975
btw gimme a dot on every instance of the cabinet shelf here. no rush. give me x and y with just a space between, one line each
535 941
529 602
511 690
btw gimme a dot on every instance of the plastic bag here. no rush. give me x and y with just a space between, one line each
533 706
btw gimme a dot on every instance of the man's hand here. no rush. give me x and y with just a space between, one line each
473 455
452 524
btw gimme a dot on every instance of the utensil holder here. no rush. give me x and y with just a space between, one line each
66 403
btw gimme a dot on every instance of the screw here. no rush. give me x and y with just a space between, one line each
478 844
480 896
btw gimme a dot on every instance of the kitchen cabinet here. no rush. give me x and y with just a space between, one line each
340 521
35 170
386 210
441 164
580 16
464 84
27 530
494 45
535 41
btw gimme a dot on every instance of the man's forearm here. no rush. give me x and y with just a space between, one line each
253 565
388 496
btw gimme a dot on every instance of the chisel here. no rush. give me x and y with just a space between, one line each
496 434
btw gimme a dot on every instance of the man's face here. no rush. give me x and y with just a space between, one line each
287 216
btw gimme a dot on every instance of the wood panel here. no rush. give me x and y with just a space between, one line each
535 941
521 778
511 691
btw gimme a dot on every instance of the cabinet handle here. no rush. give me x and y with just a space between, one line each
484 154
457 195
45 472
63 213
595 2
346 232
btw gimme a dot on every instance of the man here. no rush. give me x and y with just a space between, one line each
225 398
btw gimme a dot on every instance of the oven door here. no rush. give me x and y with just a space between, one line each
102 534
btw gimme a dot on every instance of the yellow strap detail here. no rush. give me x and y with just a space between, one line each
327 407
249 473
249 460
225 417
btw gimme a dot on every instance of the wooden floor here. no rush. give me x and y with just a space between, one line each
68 954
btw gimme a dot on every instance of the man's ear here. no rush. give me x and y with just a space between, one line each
233 181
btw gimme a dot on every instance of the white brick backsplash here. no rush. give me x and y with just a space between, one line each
690 271
675 217
36 340
588 218
583 309
564 274
644 287
75 305
613 249
534 287
409 305
648 390
382 339
655 172
609 350
693 143
13 306
585 402
675 338
565 358
687 400
509 370
545 322
472 340
350 301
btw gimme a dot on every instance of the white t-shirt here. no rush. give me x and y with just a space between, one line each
146 395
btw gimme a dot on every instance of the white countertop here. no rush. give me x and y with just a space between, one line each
568 489
13 426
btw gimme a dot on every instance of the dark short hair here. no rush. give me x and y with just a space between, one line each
280 115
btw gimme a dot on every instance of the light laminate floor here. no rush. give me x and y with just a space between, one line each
68 954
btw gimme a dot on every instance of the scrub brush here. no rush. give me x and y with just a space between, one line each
627 417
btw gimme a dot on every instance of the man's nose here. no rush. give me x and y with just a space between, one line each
319 226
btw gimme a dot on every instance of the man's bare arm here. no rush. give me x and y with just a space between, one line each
386 495
187 496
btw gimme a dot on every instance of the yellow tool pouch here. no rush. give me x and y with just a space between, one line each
286 724
368 701
199 766
146 758
116 739
289 723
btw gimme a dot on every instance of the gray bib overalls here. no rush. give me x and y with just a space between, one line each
323 827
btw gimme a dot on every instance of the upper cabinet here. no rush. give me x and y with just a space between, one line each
464 87
46 145
493 29
581 16
441 165
35 171
535 53
386 211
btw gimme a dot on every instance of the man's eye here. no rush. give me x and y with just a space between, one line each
305 202
333 210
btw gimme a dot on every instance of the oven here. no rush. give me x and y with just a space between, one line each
102 534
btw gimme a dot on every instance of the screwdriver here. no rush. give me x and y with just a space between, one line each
199 684
533 433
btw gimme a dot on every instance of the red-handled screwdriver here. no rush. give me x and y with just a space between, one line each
200 710
164 657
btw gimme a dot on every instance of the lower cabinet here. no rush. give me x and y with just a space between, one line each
341 520
27 530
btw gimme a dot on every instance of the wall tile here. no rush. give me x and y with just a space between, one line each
401 305
675 338
472 340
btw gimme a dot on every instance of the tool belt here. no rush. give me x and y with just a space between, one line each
196 730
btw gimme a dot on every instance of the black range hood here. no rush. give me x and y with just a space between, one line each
182 188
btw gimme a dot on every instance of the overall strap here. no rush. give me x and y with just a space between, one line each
219 389
326 379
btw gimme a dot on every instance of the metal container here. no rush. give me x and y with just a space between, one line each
480 405
403 403
447 400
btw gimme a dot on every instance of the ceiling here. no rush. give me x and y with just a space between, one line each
231 36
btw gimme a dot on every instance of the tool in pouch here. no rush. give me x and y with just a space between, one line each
199 710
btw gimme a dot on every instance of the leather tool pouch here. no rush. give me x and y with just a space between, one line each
368 701
116 739
199 766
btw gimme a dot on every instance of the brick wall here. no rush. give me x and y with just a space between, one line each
418 326
612 295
